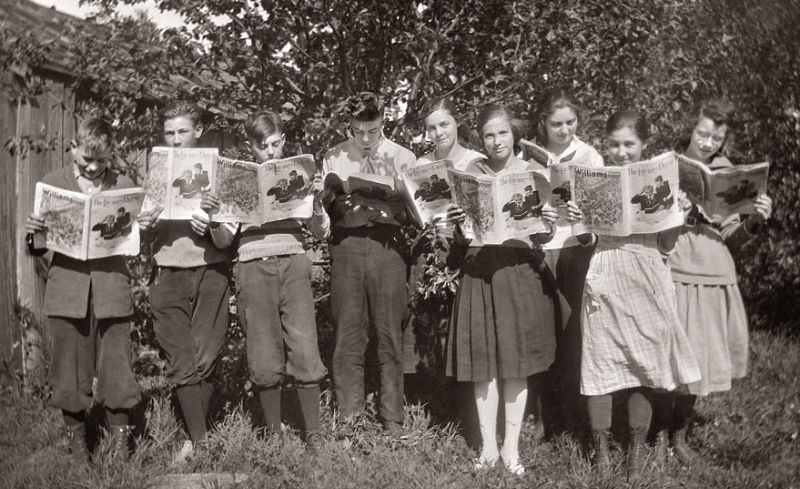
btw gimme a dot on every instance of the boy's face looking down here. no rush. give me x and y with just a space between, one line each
268 148
91 163
367 134
180 132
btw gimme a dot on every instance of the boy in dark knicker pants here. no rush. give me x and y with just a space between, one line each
88 305
276 304
189 293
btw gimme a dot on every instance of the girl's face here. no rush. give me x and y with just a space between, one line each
269 148
707 139
442 129
560 126
624 146
498 139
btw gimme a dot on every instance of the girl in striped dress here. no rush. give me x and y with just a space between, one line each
710 305
632 340
502 326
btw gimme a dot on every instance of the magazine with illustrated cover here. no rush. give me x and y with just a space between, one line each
87 227
429 188
505 207
258 193
560 194
723 191
382 195
622 200
177 178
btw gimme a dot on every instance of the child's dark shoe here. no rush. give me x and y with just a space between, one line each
76 442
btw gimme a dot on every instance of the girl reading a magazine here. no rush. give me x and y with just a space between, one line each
502 326
441 127
556 122
632 340
710 306
557 117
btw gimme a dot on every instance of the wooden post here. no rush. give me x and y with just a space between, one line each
10 345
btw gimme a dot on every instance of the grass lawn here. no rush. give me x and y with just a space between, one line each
748 438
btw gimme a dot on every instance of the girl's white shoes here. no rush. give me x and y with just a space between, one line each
486 461
511 462
513 465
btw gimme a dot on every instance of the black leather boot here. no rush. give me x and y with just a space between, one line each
636 453
602 461
120 439
662 448
76 442
681 449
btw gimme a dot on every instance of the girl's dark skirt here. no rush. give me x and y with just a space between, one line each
503 320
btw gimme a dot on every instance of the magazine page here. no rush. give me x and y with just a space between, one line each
156 182
474 194
599 194
651 192
236 187
190 174
429 187
693 177
533 152
734 190
64 214
520 198
286 188
560 194
113 229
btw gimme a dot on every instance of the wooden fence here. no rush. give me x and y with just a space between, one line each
47 119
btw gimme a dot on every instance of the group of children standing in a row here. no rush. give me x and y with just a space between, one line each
653 315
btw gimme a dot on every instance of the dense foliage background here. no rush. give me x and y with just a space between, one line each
303 57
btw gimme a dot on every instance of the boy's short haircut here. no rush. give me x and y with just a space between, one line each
262 124
95 134
185 109
364 107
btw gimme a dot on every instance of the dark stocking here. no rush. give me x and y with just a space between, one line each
271 406
309 406
190 398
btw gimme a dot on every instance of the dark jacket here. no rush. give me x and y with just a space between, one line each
70 281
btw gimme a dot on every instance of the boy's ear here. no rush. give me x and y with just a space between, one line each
198 131
73 144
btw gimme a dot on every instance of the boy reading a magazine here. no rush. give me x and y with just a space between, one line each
88 305
276 304
368 270
189 292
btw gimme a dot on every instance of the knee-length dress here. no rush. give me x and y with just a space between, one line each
710 305
502 324
631 334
